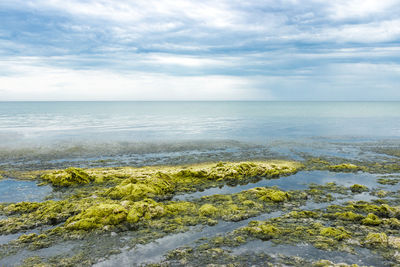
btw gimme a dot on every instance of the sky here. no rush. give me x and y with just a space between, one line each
347 50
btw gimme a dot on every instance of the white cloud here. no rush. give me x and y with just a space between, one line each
33 82
345 9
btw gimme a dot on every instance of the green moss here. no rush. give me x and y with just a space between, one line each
337 233
328 263
68 177
136 189
371 219
208 210
268 194
348 216
263 231
381 193
358 188
392 223
344 167
383 210
376 239
97 217
145 210
303 214
386 181
21 207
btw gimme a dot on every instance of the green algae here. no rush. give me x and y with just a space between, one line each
263 231
336 228
386 181
136 189
376 239
344 167
208 210
97 216
371 219
268 194
348 216
338 233
68 177
103 206
358 188
337 164
328 263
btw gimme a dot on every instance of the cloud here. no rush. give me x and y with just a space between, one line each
44 83
274 49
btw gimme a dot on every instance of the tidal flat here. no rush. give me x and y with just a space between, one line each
315 211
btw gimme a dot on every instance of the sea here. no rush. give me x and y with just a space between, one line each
46 135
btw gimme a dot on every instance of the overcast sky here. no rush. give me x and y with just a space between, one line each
199 50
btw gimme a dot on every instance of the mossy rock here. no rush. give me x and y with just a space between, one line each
208 210
303 214
270 195
376 239
344 167
132 189
348 216
68 177
371 219
338 233
145 210
358 188
263 231
386 181
97 217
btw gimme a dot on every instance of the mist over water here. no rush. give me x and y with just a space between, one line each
137 133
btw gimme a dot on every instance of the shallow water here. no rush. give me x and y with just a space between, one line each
361 257
16 191
298 181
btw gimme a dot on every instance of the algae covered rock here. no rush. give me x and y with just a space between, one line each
338 233
97 217
145 209
269 194
376 239
358 188
344 167
371 219
328 263
68 177
137 189
208 210
263 231
348 216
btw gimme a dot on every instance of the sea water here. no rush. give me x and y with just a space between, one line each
57 134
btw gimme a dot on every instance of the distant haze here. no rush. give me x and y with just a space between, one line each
199 50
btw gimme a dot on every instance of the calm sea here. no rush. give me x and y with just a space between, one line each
50 134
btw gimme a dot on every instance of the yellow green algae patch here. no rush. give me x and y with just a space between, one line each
268 194
177 175
68 177
208 210
358 188
343 228
98 216
344 167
